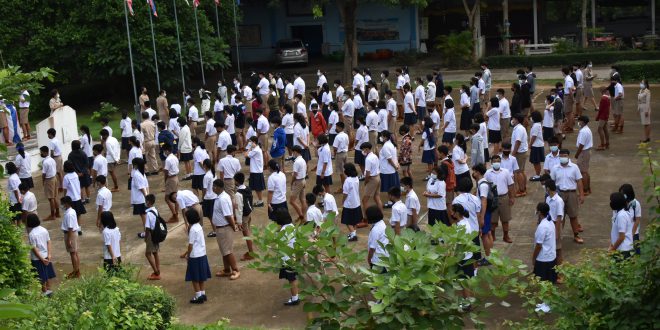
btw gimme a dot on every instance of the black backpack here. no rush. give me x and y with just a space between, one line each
159 233
492 201
247 201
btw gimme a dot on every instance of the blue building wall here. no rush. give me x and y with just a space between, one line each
379 26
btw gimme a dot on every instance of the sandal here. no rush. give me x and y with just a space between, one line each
223 273
600 148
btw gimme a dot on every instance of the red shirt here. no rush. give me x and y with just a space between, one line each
604 108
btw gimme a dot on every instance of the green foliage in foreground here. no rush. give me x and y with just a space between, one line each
638 70
421 289
15 268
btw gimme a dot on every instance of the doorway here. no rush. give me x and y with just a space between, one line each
311 35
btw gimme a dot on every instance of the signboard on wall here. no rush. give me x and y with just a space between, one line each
377 29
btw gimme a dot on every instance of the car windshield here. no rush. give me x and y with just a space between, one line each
290 44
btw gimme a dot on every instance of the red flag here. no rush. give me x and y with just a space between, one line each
130 6
196 3
152 4
217 2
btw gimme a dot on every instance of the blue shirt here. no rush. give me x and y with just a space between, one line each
167 137
279 143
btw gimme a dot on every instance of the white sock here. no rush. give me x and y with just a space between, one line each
203 293
294 298
198 294
353 233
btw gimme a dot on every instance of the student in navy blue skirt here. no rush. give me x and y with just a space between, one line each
40 252
198 270
428 142
283 218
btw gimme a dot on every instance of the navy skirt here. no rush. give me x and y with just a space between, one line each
287 273
79 207
448 137
537 155
494 136
207 207
125 145
289 141
139 209
546 270
387 181
351 216
428 156
44 273
186 156
198 269
257 182
438 216
326 181
198 181
331 139
306 155
359 159
30 183
271 215
409 118
85 181
466 119
233 139
548 132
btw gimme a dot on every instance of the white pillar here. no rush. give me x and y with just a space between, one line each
536 22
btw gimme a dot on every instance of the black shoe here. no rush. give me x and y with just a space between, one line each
292 302
197 300
141 235
388 205
204 297
212 234
353 239
258 204
154 173
535 178
80 233
483 262
147 174
86 201
187 178
290 159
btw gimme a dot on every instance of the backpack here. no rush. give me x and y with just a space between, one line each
492 199
247 201
159 233
450 180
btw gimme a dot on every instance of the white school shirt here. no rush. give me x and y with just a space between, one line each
299 85
372 121
329 205
456 154
55 146
465 100
229 166
399 214
224 139
580 78
171 165
139 136
333 119
519 134
100 165
86 145
372 165
373 95
400 81
279 83
472 204
229 124
49 167
551 161
135 152
71 183
24 100
24 165
174 127
361 136
618 90
210 127
256 160
502 179
510 164
387 152
112 149
104 199
300 108
635 210
39 238
545 235
351 189
568 84
537 131
427 143
324 156
430 92
339 93
412 202
111 237
585 138
556 206
435 118
70 220
186 199
277 184
482 188
197 240
493 119
420 96
622 222
483 131
408 103
358 82
110 129
262 125
567 176
250 133
199 156
207 183
348 109
341 143
222 207
326 98
290 238
357 101
377 241
289 91
548 117
450 117
300 133
150 221
505 109
218 106
288 122
482 86
447 97
263 86
138 182
176 107
382 120
29 202
465 223
247 93
300 168
391 108
438 187
185 140
315 215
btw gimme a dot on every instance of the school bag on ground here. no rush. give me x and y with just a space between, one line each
159 233
247 201
492 201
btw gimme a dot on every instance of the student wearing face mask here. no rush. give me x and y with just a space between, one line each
644 108
384 83
501 177
589 77
436 197
551 159
509 162
568 178
584 145
519 151
621 238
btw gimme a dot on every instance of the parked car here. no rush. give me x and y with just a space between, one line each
291 51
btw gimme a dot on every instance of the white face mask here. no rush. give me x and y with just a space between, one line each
403 189
336 85
382 75
642 86
513 123
433 176
589 65
554 148
219 84
382 139
563 160
496 166
318 73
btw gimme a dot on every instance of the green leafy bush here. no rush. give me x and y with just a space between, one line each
106 109
419 291
597 58
455 48
100 302
15 268
638 70
564 46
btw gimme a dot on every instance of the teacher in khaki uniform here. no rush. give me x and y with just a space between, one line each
149 132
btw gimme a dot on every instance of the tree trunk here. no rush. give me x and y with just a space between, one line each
584 24
472 23
505 26
347 11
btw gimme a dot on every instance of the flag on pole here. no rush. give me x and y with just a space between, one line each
130 6
196 3
152 4
217 2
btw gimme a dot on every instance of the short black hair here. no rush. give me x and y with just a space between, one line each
550 184
366 145
192 216
310 198
443 149
23 187
543 208
101 179
584 119
459 209
374 214
318 189
627 190
150 199
407 181
66 200
108 220
51 131
464 185
350 170
395 191
480 168
32 221
239 177
219 183
536 116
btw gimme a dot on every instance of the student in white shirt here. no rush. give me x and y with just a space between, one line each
257 181
537 153
505 113
409 109
621 237
324 165
361 136
436 197
378 240
197 270
503 179
413 206
459 157
352 212
288 123
313 216
49 180
371 122
208 196
569 181
224 140
382 117
340 151
276 189
544 255
556 214
71 186
111 243
29 202
461 219
519 148
151 248
225 226
420 102
392 110
552 158
100 163
494 128
40 252
449 127
399 218
139 189
301 135
103 198
584 144
371 177
70 228
389 165
635 209
472 206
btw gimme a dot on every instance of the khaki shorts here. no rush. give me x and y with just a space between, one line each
570 203
74 243
248 107
558 244
263 140
579 95
247 220
50 187
222 154
372 188
111 167
340 161
645 117
210 143
298 189
230 187
348 124
225 238
568 103
397 97
151 247
583 160
59 165
171 185
602 123
521 159
373 137
617 107
197 207
503 211
23 115
504 128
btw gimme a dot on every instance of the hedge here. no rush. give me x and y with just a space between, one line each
638 70
605 57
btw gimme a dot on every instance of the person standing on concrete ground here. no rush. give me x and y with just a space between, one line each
505 113
584 144
321 80
487 77
263 90
50 183
484 214
475 104
502 178
24 109
589 77
569 100
162 106
171 178
185 148
430 94
225 226
299 86
556 214
519 148
111 146
644 108
579 90
358 80
384 83
420 103
439 87
400 81
392 110
481 84
148 129
530 76
568 178
144 96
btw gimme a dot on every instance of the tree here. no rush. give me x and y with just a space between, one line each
474 22
13 81
583 24
505 27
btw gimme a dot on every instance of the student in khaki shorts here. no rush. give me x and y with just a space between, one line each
371 177
568 178
151 248
504 182
70 228
298 183
171 179
340 151
519 148
225 226
243 211
49 177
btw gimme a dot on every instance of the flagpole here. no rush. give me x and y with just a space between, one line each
178 42
199 46
217 28
153 41
238 56
130 56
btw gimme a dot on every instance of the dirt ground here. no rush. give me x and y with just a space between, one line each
256 299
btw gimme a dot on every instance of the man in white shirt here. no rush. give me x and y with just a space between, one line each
551 159
299 86
617 106
568 178
556 214
579 89
29 203
371 177
298 181
225 226
149 110
400 82
55 147
569 100
224 140
584 144
358 80
544 255
70 228
420 103
171 179
289 91
377 238
371 122
49 179
103 199
505 113
263 88
392 111
502 178
409 110
519 142
112 151
100 164
227 168
248 97
324 165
